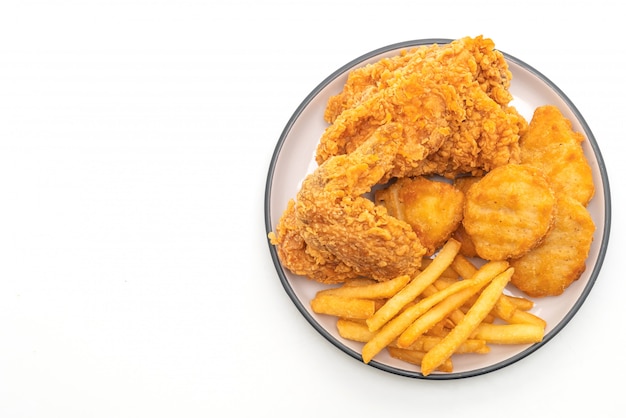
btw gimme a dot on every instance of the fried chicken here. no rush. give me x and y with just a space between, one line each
345 229
300 258
334 216
367 80
452 101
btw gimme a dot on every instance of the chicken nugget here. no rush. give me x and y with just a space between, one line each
460 234
551 267
433 208
509 211
551 145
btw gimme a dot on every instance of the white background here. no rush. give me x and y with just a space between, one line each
135 275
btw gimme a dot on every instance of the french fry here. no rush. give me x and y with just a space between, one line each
378 290
431 317
463 267
523 317
440 329
456 315
509 333
343 307
447 300
416 357
504 309
353 330
426 342
485 303
454 294
448 273
356 330
395 304
509 311
521 303
466 269
397 325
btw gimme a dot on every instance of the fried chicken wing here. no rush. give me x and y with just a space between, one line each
333 216
452 101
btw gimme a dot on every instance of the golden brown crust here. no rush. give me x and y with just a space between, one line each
300 258
452 101
551 145
560 259
333 216
434 209
508 211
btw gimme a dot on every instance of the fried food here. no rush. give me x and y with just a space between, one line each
468 248
298 257
364 81
551 145
452 101
415 287
425 321
374 290
332 216
474 317
509 211
560 260
517 200
353 308
433 208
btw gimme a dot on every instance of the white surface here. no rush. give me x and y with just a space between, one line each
135 277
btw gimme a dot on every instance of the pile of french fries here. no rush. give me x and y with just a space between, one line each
451 306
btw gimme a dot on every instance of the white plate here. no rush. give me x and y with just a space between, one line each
293 159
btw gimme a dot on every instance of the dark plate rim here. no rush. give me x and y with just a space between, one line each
414 374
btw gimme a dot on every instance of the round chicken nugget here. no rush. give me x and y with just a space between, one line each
560 259
509 211
433 208
460 234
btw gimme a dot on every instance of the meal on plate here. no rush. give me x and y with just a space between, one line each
432 194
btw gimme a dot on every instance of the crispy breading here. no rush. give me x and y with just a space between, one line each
333 216
452 101
433 208
367 80
551 145
509 211
300 258
559 260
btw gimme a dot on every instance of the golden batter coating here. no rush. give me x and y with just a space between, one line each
434 209
452 101
559 260
551 145
509 211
